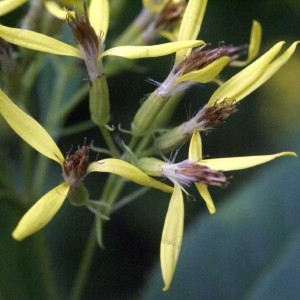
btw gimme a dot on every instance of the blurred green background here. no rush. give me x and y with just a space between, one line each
250 249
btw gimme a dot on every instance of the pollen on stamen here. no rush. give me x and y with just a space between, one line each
75 165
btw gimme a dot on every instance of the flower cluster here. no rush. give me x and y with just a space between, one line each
139 161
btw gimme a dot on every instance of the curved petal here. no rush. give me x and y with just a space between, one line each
171 239
37 41
203 191
271 70
254 45
29 129
195 149
206 74
55 10
99 17
7 6
191 24
237 86
243 162
41 213
128 171
134 52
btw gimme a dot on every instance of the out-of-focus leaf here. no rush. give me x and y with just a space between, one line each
280 280
20 272
248 250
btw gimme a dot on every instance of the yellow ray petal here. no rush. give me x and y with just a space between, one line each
41 213
99 17
7 6
29 129
254 45
134 52
55 10
271 70
171 239
206 74
235 87
203 191
190 24
243 162
195 149
37 41
128 171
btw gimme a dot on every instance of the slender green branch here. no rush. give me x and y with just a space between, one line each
109 141
129 198
45 268
84 267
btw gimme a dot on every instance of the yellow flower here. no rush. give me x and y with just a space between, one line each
172 234
224 164
98 13
75 167
253 76
190 29
190 66
201 172
224 100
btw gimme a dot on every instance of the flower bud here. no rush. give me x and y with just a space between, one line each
99 101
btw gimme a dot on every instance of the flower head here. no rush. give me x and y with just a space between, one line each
94 20
187 172
74 167
202 173
225 99
89 42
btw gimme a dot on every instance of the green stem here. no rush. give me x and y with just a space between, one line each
129 198
84 267
45 269
109 141
143 143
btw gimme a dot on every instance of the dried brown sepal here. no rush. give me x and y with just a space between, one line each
170 15
200 58
84 33
75 165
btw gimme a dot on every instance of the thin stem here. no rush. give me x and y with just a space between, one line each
144 142
79 127
129 198
45 268
109 141
84 267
